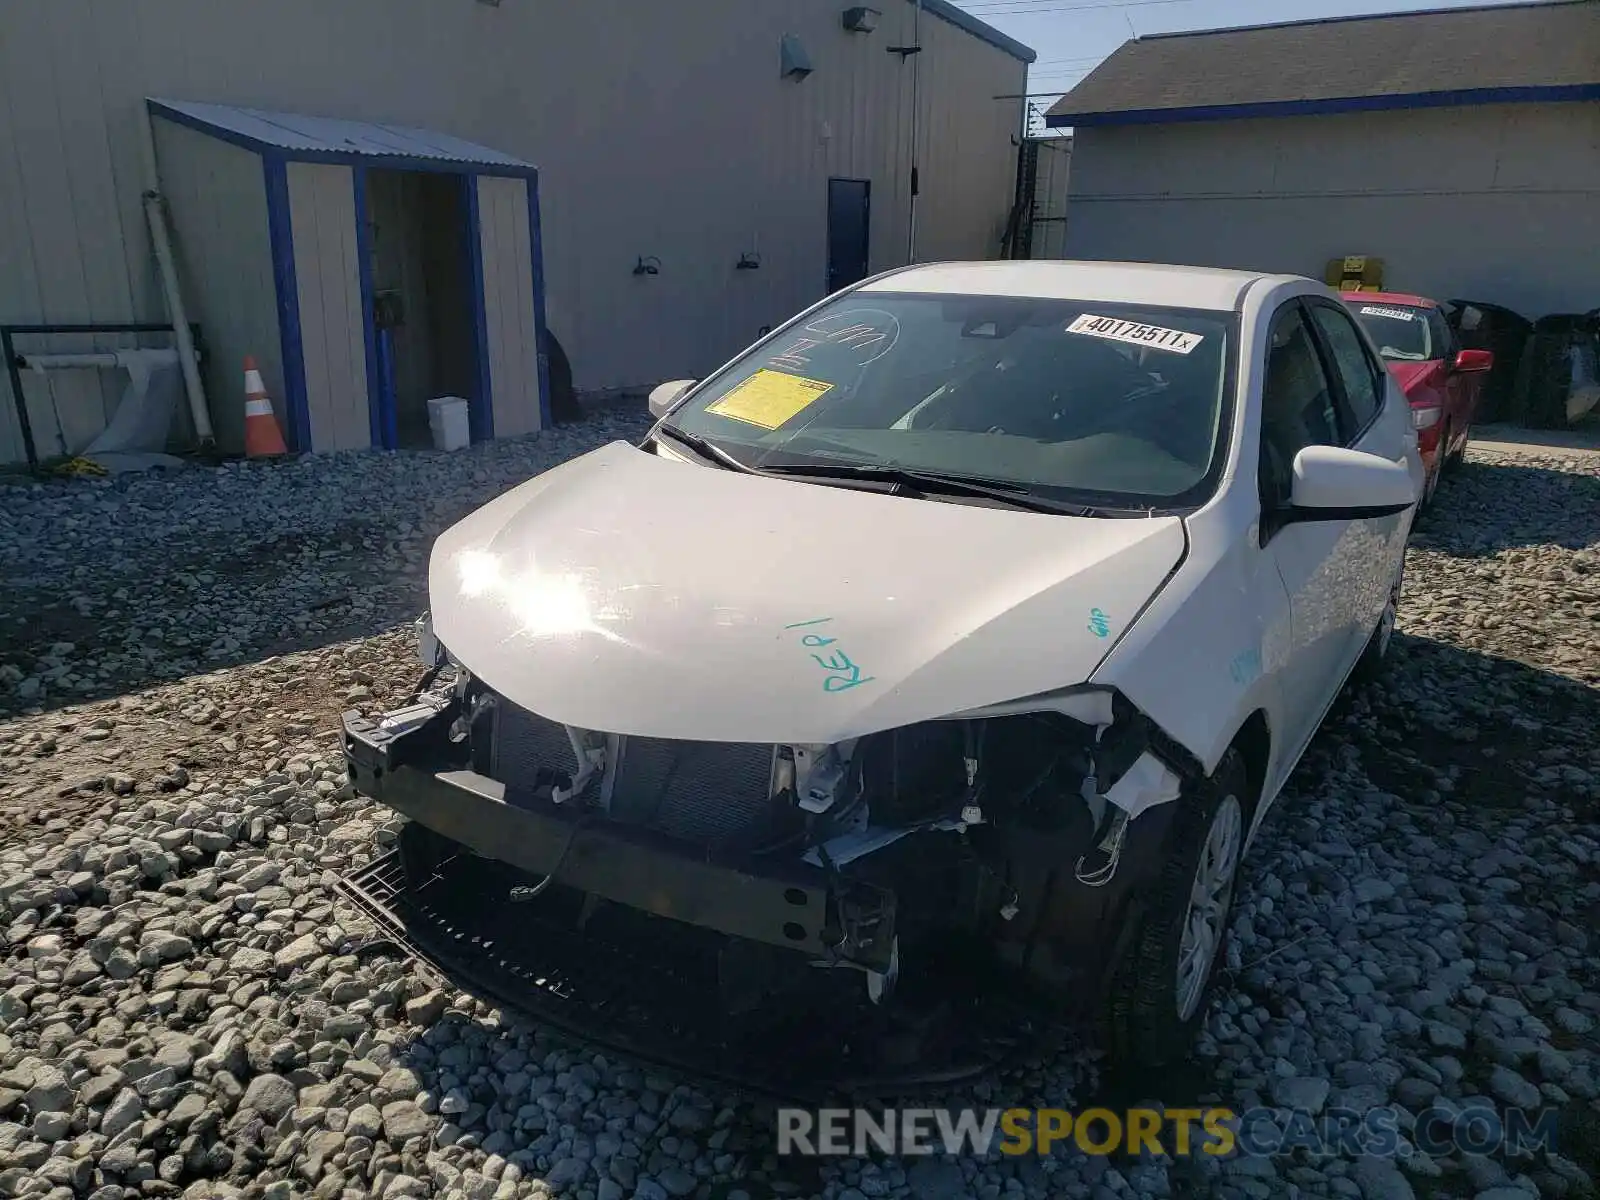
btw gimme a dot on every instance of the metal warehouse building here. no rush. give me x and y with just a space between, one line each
1460 146
384 200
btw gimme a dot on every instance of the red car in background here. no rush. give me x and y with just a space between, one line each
1442 381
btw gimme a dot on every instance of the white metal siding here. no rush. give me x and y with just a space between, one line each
322 216
1050 198
659 129
1499 203
222 245
69 205
508 305
968 158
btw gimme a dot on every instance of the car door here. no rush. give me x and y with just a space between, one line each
1460 391
1300 408
1370 550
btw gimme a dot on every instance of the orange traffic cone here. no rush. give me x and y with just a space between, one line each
262 437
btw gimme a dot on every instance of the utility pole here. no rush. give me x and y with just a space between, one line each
916 114
913 52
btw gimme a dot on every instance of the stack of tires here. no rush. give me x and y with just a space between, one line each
1558 379
1492 327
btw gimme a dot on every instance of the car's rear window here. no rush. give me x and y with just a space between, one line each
1063 396
1401 331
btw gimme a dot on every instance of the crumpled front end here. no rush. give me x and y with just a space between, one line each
1027 829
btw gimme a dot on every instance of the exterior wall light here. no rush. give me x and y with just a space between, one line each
861 19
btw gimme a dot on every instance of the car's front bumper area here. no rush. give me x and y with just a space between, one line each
407 761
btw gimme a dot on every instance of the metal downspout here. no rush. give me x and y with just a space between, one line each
155 212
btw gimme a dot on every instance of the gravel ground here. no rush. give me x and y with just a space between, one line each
182 1011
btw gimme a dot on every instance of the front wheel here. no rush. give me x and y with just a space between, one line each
1376 655
1430 483
1161 990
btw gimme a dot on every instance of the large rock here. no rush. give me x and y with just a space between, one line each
1302 1093
403 1120
50 1092
269 1095
426 1008
126 1108
1513 1088
364 1121
298 953
1380 1179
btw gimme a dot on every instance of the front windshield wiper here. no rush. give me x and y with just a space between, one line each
704 448
910 482
925 483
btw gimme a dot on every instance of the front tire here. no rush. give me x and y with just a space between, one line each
1376 656
1430 485
1164 985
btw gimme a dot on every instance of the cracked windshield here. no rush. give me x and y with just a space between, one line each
1062 397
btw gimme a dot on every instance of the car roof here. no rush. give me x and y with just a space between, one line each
1392 298
1113 282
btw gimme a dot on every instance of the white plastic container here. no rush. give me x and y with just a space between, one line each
447 421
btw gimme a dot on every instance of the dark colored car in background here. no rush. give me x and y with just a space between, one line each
1442 380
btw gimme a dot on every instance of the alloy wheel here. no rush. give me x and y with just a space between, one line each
1210 898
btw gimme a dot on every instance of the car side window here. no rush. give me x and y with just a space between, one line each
1444 337
1298 408
1357 372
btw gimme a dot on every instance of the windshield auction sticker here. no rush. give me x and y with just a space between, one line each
1394 314
1154 336
769 398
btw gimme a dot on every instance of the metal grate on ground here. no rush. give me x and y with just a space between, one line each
647 987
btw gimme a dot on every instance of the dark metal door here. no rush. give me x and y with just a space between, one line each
849 223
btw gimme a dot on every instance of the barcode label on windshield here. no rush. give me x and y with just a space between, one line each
1396 314
1154 336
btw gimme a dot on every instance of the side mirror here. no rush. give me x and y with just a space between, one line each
665 395
1469 361
1332 483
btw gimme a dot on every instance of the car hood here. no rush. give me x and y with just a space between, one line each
1413 376
639 595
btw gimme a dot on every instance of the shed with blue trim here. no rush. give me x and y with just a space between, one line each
367 267
1457 145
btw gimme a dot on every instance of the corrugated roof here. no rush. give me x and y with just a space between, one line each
303 136
1492 54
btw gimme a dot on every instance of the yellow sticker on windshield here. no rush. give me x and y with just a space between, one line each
769 398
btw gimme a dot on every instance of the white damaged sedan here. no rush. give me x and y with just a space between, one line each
988 601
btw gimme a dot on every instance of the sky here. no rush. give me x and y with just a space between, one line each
1071 36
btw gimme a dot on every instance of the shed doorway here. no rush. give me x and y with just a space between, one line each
421 250
849 232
